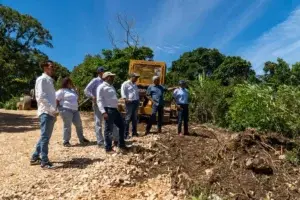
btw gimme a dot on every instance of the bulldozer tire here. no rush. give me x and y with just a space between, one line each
26 103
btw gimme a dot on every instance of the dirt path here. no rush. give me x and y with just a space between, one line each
83 173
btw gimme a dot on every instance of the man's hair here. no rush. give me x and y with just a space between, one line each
45 63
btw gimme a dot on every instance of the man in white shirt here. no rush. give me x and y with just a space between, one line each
46 101
90 91
130 93
108 103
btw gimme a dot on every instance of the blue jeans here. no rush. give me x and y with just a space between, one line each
46 124
114 117
156 109
183 115
131 115
71 116
98 124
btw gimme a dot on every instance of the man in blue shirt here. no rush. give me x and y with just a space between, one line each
155 93
181 96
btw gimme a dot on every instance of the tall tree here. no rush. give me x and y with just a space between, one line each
277 73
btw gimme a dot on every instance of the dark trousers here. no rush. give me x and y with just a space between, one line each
183 115
156 109
131 116
114 117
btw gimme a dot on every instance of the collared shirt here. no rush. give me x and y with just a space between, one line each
130 91
91 88
67 98
45 95
181 96
106 97
156 92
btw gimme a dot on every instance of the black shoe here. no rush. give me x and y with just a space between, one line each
135 135
123 149
109 151
67 144
127 137
35 161
47 165
147 132
84 141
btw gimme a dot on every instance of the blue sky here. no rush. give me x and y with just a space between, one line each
257 30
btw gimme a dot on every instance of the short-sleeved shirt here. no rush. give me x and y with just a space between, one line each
156 92
181 96
67 98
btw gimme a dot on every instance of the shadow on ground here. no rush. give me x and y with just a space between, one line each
17 123
79 163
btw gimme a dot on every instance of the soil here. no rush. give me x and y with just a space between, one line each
223 164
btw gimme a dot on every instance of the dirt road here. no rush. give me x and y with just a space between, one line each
83 173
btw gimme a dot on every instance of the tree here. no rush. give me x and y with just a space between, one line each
233 70
295 74
277 73
20 35
191 64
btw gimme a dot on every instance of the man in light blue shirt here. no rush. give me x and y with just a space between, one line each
91 92
181 96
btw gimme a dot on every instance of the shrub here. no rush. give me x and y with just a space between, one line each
12 103
293 156
261 107
209 101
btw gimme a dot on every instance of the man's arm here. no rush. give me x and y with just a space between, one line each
124 93
88 91
101 99
41 95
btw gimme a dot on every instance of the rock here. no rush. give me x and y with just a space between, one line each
259 165
152 196
94 181
282 157
51 197
209 172
214 197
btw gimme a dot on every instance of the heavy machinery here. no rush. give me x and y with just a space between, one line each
27 102
146 70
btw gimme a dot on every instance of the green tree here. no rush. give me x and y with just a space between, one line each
295 74
20 35
234 70
191 64
277 73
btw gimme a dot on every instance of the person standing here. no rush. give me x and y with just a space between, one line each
130 93
181 96
67 101
90 91
108 103
46 102
155 93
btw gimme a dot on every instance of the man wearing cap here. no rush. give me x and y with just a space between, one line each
181 96
130 93
108 103
90 91
155 93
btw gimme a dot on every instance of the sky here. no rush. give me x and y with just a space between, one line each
257 30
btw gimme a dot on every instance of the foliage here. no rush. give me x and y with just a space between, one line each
197 192
233 70
209 100
11 104
278 73
262 107
293 156
20 37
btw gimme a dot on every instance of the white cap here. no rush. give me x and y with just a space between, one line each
154 78
106 74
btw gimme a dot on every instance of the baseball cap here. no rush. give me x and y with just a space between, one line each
181 82
100 69
106 74
155 77
134 75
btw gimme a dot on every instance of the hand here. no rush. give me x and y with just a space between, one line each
127 101
179 107
105 116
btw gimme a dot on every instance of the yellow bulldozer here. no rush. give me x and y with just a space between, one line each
146 70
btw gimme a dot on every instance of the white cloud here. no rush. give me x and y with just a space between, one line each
174 21
234 27
283 40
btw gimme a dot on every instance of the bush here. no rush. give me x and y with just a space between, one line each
209 101
12 103
261 107
293 156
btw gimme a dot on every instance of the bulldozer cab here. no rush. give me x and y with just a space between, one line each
148 69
